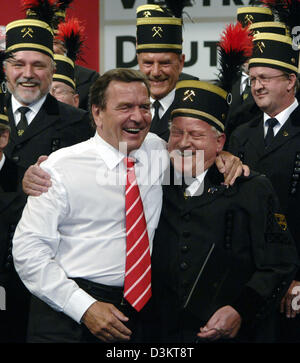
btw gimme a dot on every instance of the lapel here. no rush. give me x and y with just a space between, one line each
9 176
47 115
6 199
212 190
255 136
287 131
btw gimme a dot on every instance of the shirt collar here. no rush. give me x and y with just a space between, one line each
34 107
165 101
112 156
283 115
2 161
244 81
193 188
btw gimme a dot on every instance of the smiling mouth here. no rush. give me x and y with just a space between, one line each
185 153
27 84
157 80
132 131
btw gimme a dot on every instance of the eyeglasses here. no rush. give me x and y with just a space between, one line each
264 79
60 92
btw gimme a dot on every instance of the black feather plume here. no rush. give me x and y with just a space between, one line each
72 34
3 56
287 11
176 7
234 48
43 10
64 4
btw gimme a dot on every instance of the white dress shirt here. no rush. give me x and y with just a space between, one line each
197 186
30 115
2 161
282 117
77 228
244 82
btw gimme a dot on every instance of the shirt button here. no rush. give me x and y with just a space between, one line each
187 217
9 258
184 266
185 284
184 248
186 234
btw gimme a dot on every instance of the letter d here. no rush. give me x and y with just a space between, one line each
295 305
2 298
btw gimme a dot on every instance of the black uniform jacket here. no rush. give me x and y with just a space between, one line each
55 126
84 78
280 162
253 262
12 201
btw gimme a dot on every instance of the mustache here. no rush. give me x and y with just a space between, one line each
28 80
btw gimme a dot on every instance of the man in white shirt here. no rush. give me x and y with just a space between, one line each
77 229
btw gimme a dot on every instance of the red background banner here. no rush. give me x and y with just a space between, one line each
85 10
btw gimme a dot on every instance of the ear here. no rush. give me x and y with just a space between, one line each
181 60
220 142
4 137
97 115
292 81
76 99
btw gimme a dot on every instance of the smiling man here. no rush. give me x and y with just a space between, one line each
39 123
29 76
70 245
160 58
270 144
213 284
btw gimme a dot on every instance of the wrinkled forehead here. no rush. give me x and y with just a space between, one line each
159 57
30 56
258 71
123 90
189 124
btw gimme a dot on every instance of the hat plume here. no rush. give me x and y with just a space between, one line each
234 48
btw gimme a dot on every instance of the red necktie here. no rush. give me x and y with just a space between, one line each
137 285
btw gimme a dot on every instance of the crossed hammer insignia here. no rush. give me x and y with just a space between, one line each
27 31
157 30
189 95
249 18
260 46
